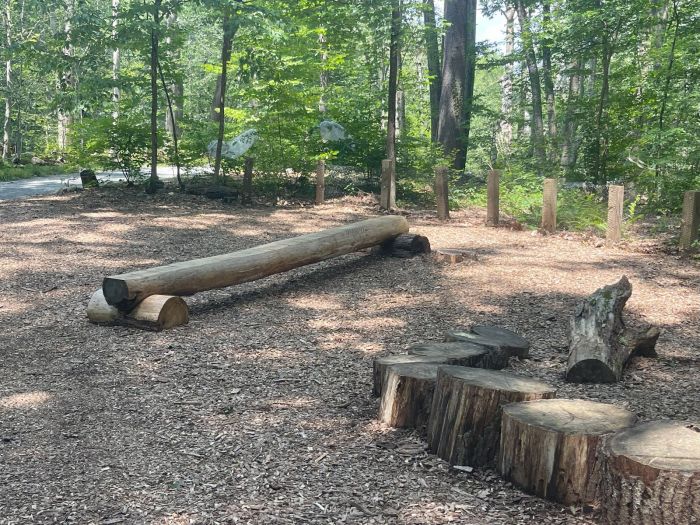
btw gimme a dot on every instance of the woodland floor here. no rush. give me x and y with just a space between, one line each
260 410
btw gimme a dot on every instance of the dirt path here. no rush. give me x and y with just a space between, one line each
260 410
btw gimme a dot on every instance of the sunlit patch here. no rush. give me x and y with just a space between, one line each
316 303
25 399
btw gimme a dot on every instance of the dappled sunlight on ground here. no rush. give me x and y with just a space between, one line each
34 399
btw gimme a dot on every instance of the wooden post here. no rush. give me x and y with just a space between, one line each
247 193
387 198
441 192
616 205
320 181
690 220
549 206
493 204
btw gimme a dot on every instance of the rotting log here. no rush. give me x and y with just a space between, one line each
651 475
462 353
597 353
189 277
465 419
156 312
643 342
381 365
407 394
406 245
549 446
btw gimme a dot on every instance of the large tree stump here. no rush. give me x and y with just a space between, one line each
597 353
156 312
465 420
549 446
407 394
502 341
651 475
381 365
462 353
406 245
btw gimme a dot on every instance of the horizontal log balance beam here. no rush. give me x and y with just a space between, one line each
188 277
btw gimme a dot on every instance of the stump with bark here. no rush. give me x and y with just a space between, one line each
381 366
651 475
156 312
465 421
504 344
407 394
549 447
461 353
406 245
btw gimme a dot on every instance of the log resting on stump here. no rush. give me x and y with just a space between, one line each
407 394
597 353
462 353
549 446
651 475
406 245
381 365
465 420
188 277
156 312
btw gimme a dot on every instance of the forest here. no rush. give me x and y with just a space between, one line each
588 91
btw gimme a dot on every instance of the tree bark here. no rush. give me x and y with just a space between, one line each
116 61
549 447
434 69
7 125
547 77
505 133
157 312
407 394
229 29
176 87
66 81
406 245
381 365
569 147
393 79
470 37
153 180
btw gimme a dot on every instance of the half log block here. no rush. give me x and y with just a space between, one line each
156 312
461 353
407 394
597 353
549 446
406 245
189 277
651 475
465 420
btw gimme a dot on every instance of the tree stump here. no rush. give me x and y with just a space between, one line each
452 256
407 394
597 353
549 447
381 365
503 342
462 354
465 421
406 245
651 475
156 312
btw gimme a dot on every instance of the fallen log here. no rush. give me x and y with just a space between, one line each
189 277
407 394
651 475
465 419
156 312
549 446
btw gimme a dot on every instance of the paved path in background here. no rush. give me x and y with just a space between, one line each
18 189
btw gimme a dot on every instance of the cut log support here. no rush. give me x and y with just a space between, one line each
189 277
462 354
407 395
549 447
651 475
381 365
597 353
465 420
156 312
406 245
452 255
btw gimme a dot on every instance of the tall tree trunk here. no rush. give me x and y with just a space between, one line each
323 75
7 125
229 29
433 54
569 146
153 181
216 113
66 81
393 79
537 132
549 85
176 87
469 81
454 75
505 132
116 61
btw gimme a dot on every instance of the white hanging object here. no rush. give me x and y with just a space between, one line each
331 131
236 147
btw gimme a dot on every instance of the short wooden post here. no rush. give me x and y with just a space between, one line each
493 202
320 181
616 203
690 220
549 206
247 190
387 197
441 192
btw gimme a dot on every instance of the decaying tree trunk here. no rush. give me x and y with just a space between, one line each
407 394
651 475
597 353
549 447
156 312
465 420
406 245
461 353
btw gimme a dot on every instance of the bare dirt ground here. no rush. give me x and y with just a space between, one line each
260 410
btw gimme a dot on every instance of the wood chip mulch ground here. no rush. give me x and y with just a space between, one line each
260 410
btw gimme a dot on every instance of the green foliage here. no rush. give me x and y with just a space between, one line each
9 172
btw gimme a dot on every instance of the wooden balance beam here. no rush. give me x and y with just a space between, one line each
127 290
